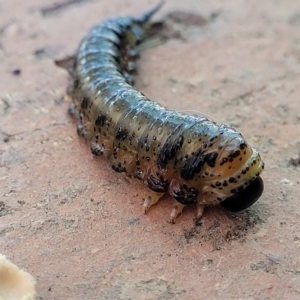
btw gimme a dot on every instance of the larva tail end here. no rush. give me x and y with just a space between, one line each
245 198
148 15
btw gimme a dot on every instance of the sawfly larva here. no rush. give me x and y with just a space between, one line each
193 159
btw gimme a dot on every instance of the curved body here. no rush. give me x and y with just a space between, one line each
187 156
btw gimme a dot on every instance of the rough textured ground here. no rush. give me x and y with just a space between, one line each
78 227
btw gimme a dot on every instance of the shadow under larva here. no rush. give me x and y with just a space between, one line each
193 159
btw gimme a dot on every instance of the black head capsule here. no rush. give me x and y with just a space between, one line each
245 198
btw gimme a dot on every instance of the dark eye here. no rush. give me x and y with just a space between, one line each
245 198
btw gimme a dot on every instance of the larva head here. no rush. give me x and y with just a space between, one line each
249 195
226 170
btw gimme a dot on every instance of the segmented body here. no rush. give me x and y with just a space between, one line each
187 156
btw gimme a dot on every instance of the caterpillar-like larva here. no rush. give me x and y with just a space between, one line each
193 159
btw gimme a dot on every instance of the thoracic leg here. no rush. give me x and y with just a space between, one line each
151 200
176 211
200 210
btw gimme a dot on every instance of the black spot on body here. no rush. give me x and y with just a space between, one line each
231 179
84 103
237 153
119 168
233 155
169 150
122 134
193 165
224 160
243 145
210 159
186 195
157 183
100 121
115 153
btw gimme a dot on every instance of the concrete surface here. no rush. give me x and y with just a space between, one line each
78 227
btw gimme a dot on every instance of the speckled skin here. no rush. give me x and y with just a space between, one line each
196 161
